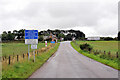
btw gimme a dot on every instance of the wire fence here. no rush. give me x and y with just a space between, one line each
8 60
103 54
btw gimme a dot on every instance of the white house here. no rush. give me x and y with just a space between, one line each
93 38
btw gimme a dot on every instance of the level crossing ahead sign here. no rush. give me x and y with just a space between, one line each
31 37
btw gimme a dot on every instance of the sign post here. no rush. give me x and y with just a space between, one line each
28 51
34 47
31 37
46 43
34 54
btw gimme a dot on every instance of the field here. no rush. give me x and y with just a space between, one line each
100 45
17 48
107 46
24 68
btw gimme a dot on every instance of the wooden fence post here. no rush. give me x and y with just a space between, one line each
9 60
109 53
23 56
3 58
17 58
117 55
104 52
37 52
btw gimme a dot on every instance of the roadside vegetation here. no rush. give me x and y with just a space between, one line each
107 46
112 61
24 68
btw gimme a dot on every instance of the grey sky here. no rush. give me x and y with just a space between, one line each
93 17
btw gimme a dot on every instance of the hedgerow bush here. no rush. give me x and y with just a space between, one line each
86 47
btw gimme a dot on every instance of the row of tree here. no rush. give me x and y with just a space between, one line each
9 36
66 34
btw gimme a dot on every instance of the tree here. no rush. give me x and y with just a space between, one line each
15 32
9 32
68 37
61 36
40 38
4 32
10 36
4 37
21 34
108 38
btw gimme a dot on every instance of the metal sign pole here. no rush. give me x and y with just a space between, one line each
34 54
28 52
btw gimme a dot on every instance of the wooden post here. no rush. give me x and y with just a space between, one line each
23 56
117 55
3 58
109 53
17 58
9 60
104 52
94 52
37 53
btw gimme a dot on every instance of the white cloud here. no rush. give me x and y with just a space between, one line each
95 17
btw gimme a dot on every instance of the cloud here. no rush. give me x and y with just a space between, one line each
98 17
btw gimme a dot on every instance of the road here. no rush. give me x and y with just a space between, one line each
68 63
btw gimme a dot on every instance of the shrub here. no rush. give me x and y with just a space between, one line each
86 47
40 38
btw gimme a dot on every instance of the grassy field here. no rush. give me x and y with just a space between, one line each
102 45
113 63
25 68
17 48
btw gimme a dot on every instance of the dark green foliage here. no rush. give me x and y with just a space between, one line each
86 47
108 38
40 38
66 34
61 36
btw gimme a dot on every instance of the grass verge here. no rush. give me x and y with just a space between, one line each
112 63
26 68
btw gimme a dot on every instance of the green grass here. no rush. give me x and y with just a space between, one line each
102 45
17 48
113 63
26 68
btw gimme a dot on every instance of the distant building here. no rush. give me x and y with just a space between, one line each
73 39
62 39
15 38
93 38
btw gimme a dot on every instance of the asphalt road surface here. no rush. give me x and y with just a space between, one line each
68 63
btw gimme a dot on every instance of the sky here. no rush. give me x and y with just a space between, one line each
92 17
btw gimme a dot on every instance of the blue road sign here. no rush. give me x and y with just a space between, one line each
52 41
31 34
